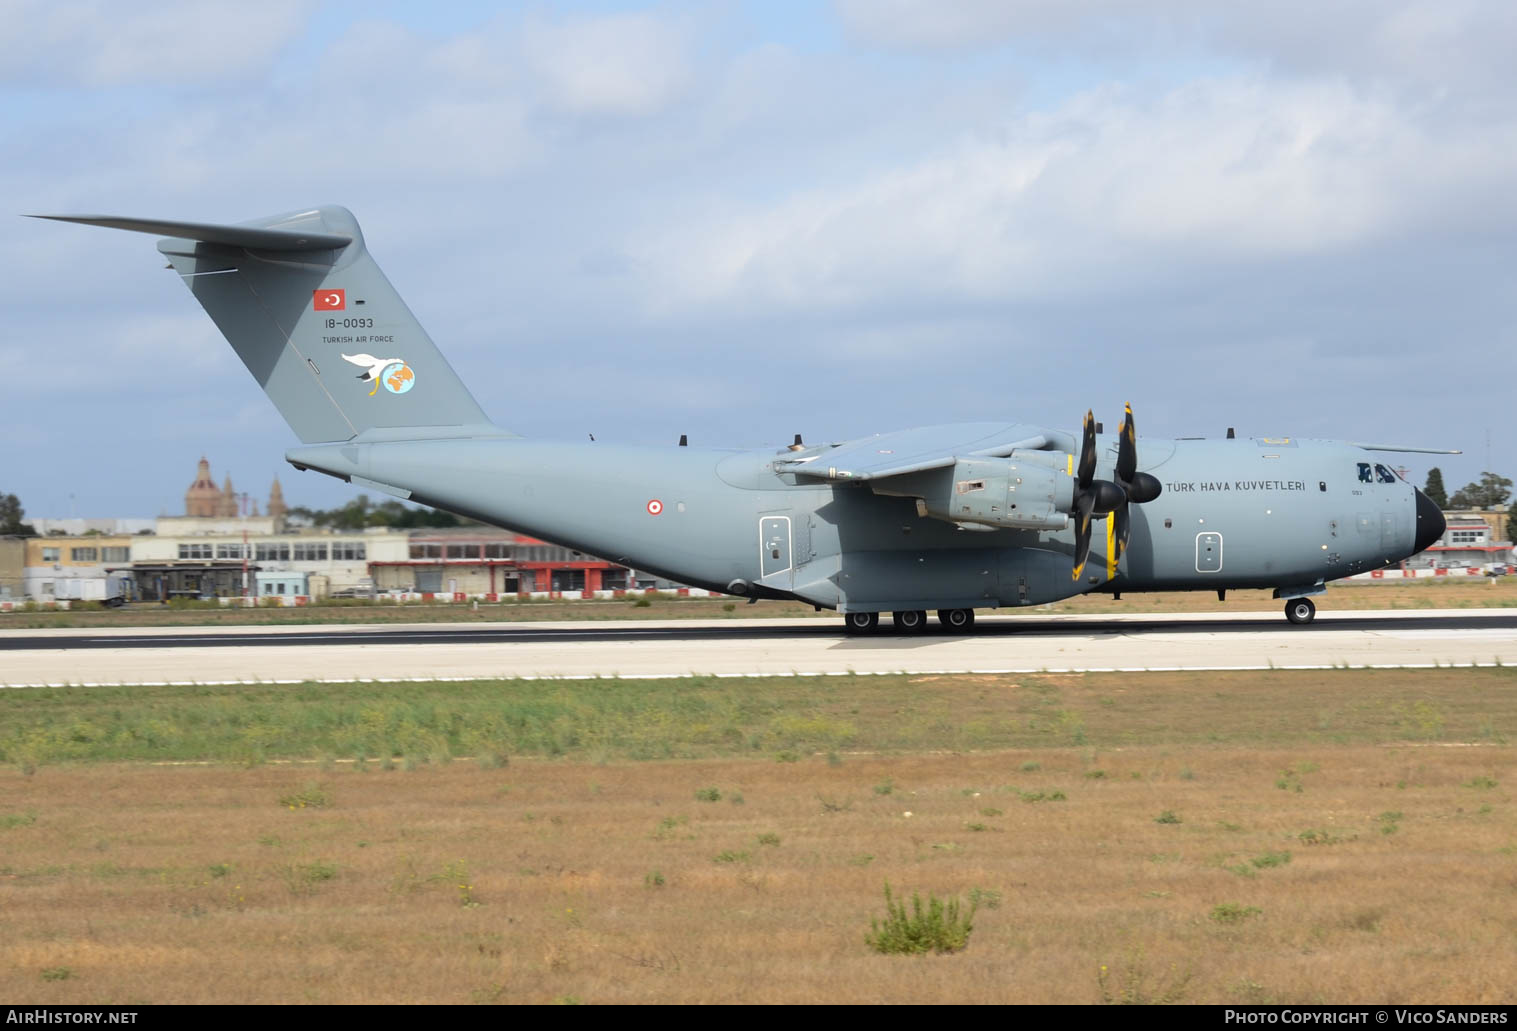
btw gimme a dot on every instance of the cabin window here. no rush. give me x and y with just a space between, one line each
1384 475
1365 476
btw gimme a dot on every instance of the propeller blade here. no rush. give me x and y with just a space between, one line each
1127 449
1124 527
1088 452
1083 510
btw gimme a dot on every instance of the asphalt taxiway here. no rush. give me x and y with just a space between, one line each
760 647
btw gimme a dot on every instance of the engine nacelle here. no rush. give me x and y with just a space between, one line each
1031 490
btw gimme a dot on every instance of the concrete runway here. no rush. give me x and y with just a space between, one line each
1011 644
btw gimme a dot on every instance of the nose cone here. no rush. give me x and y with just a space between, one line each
1430 524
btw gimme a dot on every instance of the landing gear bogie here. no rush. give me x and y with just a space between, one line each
956 619
909 621
861 622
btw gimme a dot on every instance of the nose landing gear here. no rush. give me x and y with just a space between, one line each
1300 611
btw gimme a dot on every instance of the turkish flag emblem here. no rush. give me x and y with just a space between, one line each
330 300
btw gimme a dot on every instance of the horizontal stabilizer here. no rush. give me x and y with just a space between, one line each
253 237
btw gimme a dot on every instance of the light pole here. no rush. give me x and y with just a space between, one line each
244 509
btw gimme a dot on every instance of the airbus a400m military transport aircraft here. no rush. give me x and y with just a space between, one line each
948 518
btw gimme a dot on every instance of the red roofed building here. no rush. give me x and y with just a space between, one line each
477 560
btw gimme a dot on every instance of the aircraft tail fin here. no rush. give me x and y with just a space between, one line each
316 322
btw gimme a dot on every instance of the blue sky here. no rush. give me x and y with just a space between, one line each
746 220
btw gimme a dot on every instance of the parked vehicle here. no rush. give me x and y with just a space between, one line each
114 589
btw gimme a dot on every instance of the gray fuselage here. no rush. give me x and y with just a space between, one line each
1283 514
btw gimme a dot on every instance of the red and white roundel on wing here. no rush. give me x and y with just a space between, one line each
655 506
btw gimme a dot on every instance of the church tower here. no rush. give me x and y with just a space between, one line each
227 508
277 507
202 499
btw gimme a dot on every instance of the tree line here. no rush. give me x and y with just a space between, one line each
1490 491
11 516
361 513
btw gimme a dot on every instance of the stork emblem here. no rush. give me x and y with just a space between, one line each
391 373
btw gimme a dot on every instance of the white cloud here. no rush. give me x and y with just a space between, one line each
1110 190
953 24
621 64
1432 44
101 43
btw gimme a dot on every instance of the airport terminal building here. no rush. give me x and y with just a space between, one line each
222 548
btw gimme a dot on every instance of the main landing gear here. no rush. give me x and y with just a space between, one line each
861 622
1300 611
909 621
956 619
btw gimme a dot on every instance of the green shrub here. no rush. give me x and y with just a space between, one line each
668 827
1233 913
309 797
708 795
987 897
1167 816
194 603
1137 985
1318 836
1042 796
302 878
938 927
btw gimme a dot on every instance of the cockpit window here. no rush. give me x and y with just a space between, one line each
1364 473
1385 475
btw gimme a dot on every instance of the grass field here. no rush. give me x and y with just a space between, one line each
1282 837
1456 592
